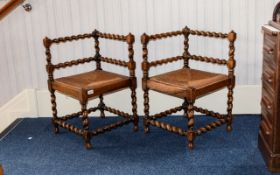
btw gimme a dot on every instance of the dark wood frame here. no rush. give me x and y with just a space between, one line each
188 104
269 129
130 65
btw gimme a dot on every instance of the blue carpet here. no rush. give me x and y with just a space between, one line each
32 148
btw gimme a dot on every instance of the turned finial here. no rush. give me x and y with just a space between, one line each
231 36
95 33
186 30
145 38
47 42
130 38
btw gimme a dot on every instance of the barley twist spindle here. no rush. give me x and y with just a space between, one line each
168 127
208 34
165 61
109 127
208 59
208 112
97 49
117 112
112 36
186 54
73 62
166 113
71 38
210 126
114 61
165 35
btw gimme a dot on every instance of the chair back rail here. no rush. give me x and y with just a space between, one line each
114 61
208 59
209 34
165 35
186 32
74 62
112 36
129 39
165 61
71 38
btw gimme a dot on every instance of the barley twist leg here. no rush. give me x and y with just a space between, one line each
134 109
54 111
101 107
146 110
191 133
85 121
229 108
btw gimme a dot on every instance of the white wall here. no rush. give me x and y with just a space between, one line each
21 33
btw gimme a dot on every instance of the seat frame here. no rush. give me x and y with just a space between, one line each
188 103
85 132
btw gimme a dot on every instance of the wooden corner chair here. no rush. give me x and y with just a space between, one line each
188 84
88 85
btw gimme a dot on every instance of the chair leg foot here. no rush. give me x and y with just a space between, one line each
146 129
191 137
87 137
56 129
229 128
146 126
88 145
190 145
135 128
229 124
135 123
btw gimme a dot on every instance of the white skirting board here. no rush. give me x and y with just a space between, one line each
22 105
36 103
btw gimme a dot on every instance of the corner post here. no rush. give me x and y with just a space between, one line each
231 65
145 67
131 67
50 69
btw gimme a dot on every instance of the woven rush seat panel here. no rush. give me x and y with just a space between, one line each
91 83
186 82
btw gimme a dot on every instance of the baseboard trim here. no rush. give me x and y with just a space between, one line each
36 103
22 105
